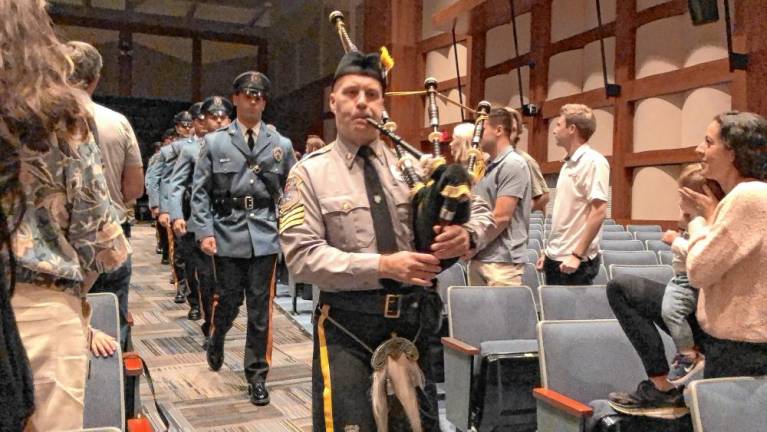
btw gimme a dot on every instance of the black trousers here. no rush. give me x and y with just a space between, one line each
118 283
251 279
728 358
341 371
637 302
185 253
584 275
207 286
162 239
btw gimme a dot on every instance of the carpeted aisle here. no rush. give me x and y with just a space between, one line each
196 398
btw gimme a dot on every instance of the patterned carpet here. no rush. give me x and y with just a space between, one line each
194 397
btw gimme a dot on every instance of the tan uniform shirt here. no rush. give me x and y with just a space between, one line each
537 182
326 228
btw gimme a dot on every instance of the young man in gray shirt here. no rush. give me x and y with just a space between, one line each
506 186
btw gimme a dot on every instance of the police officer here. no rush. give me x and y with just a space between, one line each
345 226
184 122
213 113
237 183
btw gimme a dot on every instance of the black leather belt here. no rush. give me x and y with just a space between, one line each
248 202
380 303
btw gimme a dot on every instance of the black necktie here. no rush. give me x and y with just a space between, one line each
251 140
382 223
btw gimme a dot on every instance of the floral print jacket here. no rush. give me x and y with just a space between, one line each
69 227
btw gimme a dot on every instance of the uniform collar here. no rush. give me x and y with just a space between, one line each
348 152
580 151
244 131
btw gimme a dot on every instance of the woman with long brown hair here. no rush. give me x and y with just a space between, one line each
61 224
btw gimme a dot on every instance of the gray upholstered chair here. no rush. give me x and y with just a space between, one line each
485 323
617 235
574 302
729 404
609 222
613 228
534 226
622 245
666 257
105 385
531 278
583 361
601 277
644 228
532 256
455 275
629 257
534 244
658 273
535 235
648 235
657 245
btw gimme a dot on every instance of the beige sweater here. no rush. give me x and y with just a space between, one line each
727 261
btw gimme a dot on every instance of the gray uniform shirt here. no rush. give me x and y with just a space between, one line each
507 175
326 228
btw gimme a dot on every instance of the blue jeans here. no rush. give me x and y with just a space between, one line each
117 282
680 300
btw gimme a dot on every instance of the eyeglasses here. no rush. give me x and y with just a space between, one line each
185 125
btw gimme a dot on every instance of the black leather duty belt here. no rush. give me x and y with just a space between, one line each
390 306
247 202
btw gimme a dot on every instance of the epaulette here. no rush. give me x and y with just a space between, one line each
321 151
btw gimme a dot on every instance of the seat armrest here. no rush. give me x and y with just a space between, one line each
141 424
133 364
562 402
460 346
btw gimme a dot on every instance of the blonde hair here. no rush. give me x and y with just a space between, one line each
459 146
581 117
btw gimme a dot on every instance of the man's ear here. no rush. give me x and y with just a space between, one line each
332 102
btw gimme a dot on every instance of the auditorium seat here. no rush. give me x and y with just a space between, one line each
531 278
609 222
666 257
574 302
455 275
535 235
629 257
617 235
648 235
601 277
104 388
581 362
728 404
534 244
613 228
657 245
643 228
532 256
504 335
622 245
535 227
659 273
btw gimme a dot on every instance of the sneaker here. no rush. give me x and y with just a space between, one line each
684 368
648 401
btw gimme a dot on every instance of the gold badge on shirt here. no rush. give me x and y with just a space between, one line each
278 154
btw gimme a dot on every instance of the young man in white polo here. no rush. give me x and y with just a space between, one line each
571 255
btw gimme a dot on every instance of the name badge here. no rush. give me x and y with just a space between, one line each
224 160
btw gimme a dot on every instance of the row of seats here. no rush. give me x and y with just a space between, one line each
581 355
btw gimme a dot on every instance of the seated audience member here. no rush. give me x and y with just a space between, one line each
65 233
571 256
313 143
539 189
725 261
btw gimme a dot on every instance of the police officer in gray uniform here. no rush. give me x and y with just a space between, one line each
185 127
180 209
237 183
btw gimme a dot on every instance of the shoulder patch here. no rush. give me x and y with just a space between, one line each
291 206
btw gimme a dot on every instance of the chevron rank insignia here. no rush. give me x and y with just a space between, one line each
291 207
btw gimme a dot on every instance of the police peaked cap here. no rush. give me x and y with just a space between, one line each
196 111
183 116
169 133
252 81
217 105
357 63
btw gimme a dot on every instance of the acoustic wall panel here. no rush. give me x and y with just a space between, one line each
654 193
440 63
499 45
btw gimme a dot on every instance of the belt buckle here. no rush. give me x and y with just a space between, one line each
248 201
392 306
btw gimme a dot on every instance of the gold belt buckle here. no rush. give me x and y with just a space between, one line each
392 306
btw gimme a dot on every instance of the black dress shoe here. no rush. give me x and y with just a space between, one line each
180 297
165 261
158 250
206 343
215 355
259 395
194 314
